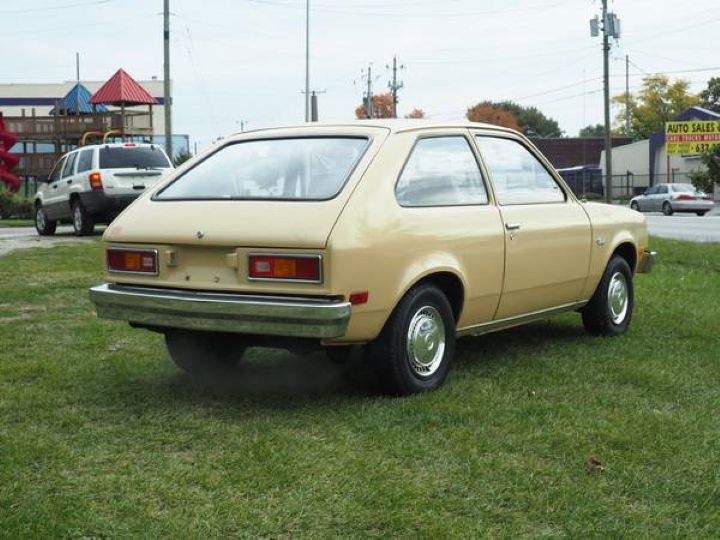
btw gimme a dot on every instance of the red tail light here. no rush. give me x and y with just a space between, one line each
135 261
305 268
95 181
684 197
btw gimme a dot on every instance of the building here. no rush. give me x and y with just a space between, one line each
642 164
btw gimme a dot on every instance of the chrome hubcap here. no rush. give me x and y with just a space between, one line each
618 297
77 219
426 341
40 219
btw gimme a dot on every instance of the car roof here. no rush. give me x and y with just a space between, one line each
392 125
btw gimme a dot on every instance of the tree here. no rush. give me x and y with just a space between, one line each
382 107
595 132
529 119
491 114
706 179
416 113
658 101
181 157
710 97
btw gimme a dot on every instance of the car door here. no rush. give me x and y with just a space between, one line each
659 197
645 200
547 232
51 195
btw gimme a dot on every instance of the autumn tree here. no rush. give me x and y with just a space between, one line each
489 113
382 107
710 97
657 102
529 119
416 113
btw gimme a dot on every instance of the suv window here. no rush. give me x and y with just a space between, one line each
69 165
132 157
85 160
517 175
307 168
441 171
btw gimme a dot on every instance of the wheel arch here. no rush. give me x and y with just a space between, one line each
627 251
451 286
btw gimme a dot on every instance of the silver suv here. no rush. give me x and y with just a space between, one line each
93 184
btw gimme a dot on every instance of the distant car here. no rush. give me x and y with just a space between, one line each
397 236
671 198
93 184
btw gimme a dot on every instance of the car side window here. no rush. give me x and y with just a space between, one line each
441 171
69 165
54 175
85 160
517 175
662 189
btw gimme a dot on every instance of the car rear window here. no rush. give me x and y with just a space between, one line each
132 157
303 168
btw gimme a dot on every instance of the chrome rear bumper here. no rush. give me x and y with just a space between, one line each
222 312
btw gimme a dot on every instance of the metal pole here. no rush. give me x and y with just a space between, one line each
394 88
77 95
627 95
307 60
606 87
369 94
167 98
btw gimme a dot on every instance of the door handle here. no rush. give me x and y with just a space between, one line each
69 182
512 226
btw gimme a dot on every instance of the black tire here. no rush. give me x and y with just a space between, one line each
203 354
667 209
423 316
635 206
610 309
83 223
43 225
701 214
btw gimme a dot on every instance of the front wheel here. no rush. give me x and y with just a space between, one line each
204 353
635 206
701 214
83 224
667 209
610 309
43 225
417 344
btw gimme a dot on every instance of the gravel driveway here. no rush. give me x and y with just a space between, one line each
27 237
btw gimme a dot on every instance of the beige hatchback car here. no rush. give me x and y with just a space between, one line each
399 236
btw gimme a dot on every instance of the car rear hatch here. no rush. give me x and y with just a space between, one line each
130 169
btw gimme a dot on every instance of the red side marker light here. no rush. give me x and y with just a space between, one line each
358 298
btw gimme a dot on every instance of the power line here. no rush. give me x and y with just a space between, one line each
54 8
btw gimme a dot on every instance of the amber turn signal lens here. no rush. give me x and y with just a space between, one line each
95 181
133 261
285 267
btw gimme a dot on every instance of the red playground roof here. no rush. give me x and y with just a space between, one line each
122 89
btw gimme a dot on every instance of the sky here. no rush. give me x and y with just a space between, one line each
241 63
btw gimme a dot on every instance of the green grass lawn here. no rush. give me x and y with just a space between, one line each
101 436
6 223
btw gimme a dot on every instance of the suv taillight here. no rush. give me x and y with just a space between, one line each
95 181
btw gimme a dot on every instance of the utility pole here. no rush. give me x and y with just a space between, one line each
394 85
627 95
167 98
369 96
307 60
610 28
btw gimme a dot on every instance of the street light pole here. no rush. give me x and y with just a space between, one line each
307 60
167 98
606 92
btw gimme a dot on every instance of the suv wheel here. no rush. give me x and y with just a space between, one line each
44 226
82 222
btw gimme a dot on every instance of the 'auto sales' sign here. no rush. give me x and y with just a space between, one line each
692 137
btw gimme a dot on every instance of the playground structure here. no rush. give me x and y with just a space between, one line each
8 161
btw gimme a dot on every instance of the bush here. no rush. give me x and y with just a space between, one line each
625 197
701 180
591 196
13 205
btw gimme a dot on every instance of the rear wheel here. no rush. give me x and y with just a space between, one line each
83 224
667 209
44 226
610 309
204 353
417 344
701 214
